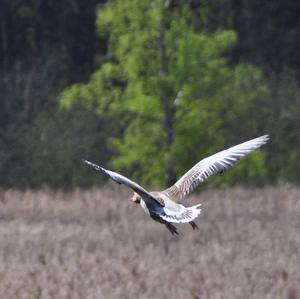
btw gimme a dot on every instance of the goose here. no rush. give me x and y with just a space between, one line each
163 206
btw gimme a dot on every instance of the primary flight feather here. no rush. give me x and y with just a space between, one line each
161 205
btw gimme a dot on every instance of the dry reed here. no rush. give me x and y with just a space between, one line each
96 244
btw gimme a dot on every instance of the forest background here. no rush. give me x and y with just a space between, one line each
147 88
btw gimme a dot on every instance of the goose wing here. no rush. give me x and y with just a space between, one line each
120 179
212 165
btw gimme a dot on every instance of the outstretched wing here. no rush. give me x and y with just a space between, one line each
214 164
120 179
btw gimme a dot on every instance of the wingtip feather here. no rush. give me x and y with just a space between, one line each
264 138
97 167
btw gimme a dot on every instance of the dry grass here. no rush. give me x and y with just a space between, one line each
96 244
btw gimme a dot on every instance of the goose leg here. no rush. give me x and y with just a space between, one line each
171 228
193 225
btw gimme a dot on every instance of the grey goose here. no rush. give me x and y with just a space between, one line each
162 206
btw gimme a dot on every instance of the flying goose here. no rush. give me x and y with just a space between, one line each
161 205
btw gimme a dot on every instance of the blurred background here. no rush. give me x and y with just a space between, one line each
147 88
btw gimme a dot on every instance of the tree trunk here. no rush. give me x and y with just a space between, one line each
168 105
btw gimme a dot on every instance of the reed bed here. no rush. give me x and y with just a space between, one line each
97 244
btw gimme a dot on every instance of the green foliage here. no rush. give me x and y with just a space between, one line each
158 59
170 87
280 115
102 93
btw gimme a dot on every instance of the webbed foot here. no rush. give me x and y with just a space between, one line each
193 225
171 228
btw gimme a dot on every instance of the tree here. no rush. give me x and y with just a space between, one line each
167 84
44 47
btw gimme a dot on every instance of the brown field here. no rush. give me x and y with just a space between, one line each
97 244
